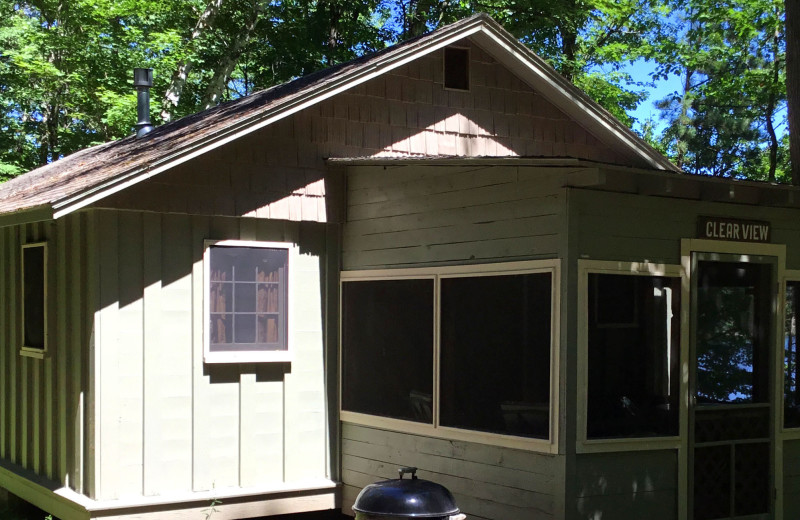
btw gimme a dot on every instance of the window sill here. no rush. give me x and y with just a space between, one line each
36 353
453 434
274 356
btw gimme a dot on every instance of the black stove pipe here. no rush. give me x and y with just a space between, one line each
143 80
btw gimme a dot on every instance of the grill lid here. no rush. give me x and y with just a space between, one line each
406 498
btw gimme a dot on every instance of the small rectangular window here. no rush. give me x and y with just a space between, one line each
633 349
791 382
34 258
247 301
456 68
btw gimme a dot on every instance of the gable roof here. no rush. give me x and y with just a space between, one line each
87 176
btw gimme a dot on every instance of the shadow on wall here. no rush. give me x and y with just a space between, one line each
634 485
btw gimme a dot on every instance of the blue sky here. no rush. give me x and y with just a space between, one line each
640 71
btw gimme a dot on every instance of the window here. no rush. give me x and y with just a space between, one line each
632 352
456 68
495 353
247 302
791 382
34 291
387 326
490 338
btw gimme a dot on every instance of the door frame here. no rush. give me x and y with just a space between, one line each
689 246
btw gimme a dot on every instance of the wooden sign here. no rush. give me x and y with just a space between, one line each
733 229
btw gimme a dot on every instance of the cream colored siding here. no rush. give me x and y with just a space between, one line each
170 423
40 421
486 481
412 215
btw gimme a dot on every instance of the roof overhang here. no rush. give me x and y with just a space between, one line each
27 216
484 32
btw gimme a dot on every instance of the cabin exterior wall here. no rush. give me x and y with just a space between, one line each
422 215
487 482
630 227
606 230
44 418
166 422
418 215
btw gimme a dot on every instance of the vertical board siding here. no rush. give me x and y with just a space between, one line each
486 481
627 485
420 214
305 397
130 354
107 360
216 390
174 341
41 397
170 422
153 478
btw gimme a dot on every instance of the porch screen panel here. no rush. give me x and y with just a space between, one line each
495 353
633 350
387 348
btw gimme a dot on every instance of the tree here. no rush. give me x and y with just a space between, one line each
730 56
793 83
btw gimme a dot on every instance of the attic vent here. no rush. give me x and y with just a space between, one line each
456 68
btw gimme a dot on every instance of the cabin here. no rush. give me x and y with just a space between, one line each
442 255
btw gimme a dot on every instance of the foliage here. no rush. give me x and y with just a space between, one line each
725 345
730 56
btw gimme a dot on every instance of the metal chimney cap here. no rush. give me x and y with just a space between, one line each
142 77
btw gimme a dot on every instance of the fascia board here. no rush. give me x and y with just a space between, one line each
27 216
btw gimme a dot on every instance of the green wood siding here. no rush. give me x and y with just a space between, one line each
41 427
486 481
422 215
168 422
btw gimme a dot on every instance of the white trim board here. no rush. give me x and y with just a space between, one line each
233 503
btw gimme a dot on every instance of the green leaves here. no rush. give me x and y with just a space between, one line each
66 67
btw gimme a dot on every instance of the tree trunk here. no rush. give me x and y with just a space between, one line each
793 84
223 72
770 110
176 84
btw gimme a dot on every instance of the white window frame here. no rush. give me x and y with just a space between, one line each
27 350
789 275
549 445
585 268
279 356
